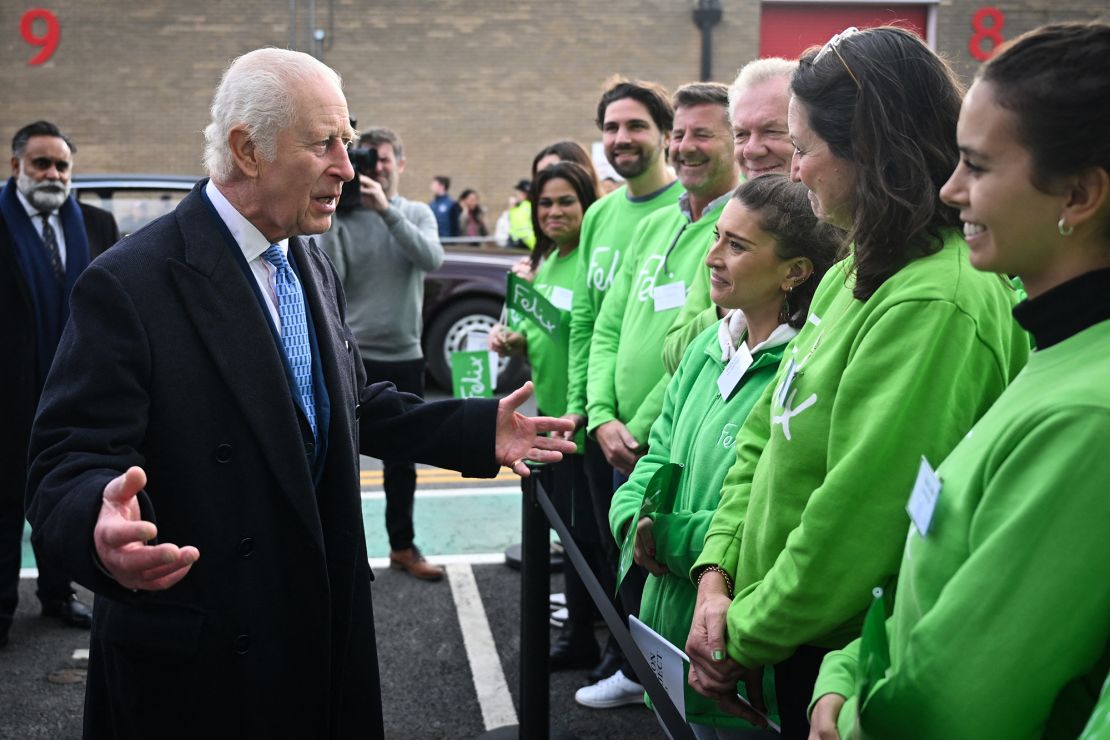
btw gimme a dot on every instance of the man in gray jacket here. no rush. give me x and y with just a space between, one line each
381 250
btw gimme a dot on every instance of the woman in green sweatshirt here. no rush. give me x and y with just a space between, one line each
905 348
1001 621
561 194
768 256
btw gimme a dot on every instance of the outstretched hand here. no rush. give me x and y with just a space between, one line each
121 535
520 437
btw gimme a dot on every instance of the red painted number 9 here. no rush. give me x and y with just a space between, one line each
991 32
48 41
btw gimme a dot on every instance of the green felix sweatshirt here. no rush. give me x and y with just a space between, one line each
697 428
812 514
607 230
1002 616
626 376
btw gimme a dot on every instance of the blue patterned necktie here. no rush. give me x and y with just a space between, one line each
50 241
294 329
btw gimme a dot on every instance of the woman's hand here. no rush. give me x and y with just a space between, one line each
523 269
822 724
645 548
507 343
715 671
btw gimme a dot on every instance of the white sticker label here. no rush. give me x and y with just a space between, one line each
734 370
561 298
923 500
671 295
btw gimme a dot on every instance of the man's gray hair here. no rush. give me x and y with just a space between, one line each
381 135
757 72
255 92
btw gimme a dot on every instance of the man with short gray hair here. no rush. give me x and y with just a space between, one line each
382 247
196 450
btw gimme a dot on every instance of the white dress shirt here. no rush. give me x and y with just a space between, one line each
55 221
252 244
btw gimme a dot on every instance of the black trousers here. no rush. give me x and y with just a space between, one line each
795 678
399 476
53 584
599 473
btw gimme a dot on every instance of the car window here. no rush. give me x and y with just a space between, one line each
133 209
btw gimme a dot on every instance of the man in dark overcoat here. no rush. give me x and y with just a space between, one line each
196 451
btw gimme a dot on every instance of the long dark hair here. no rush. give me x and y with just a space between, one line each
884 101
584 186
1056 81
783 211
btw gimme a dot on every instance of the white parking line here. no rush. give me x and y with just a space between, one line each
485 665
450 492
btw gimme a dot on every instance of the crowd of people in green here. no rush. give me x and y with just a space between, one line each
868 312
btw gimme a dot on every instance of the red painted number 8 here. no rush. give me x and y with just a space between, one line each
48 41
992 32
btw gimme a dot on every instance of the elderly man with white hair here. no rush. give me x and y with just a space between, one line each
196 452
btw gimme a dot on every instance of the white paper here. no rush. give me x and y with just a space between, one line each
561 298
671 295
667 662
734 370
923 499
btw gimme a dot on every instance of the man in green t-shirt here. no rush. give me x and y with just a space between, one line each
626 379
635 119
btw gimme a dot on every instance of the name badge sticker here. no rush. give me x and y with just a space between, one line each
561 298
923 499
671 295
734 370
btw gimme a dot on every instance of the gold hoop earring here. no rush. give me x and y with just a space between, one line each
1063 227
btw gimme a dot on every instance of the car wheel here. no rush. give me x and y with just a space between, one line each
449 331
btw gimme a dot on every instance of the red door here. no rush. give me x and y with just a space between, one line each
788 29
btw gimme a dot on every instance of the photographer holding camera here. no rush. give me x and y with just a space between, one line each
382 245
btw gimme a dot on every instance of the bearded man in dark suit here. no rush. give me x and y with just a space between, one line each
196 451
46 239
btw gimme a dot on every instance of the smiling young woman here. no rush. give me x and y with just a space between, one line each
1002 618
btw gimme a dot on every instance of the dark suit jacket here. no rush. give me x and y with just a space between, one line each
18 371
168 363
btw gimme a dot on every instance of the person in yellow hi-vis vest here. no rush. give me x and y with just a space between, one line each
520 219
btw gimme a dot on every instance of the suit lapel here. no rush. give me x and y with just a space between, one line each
222 306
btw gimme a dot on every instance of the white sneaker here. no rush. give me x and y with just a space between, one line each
558 617
614 691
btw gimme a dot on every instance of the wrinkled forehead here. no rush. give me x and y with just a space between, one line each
321 108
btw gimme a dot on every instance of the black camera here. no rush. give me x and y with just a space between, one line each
365 161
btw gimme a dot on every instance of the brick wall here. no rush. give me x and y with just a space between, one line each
474 87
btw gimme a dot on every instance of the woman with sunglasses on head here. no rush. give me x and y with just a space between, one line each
1002 616
768 256
905 349
560 193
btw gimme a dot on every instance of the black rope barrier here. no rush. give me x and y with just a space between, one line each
535 585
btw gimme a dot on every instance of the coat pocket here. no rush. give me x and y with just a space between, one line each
157 627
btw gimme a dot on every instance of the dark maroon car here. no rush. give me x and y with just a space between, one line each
463 297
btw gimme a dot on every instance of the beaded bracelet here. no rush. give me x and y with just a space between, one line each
715 569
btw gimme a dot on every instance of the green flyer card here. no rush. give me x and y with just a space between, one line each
522 297
470 376
658 499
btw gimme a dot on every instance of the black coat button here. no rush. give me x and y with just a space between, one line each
242 644
358 409
223 453
245 547
309 448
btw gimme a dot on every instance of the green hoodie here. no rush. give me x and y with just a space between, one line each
606 230
696 428
626 377
819 486
698 313
1002 616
